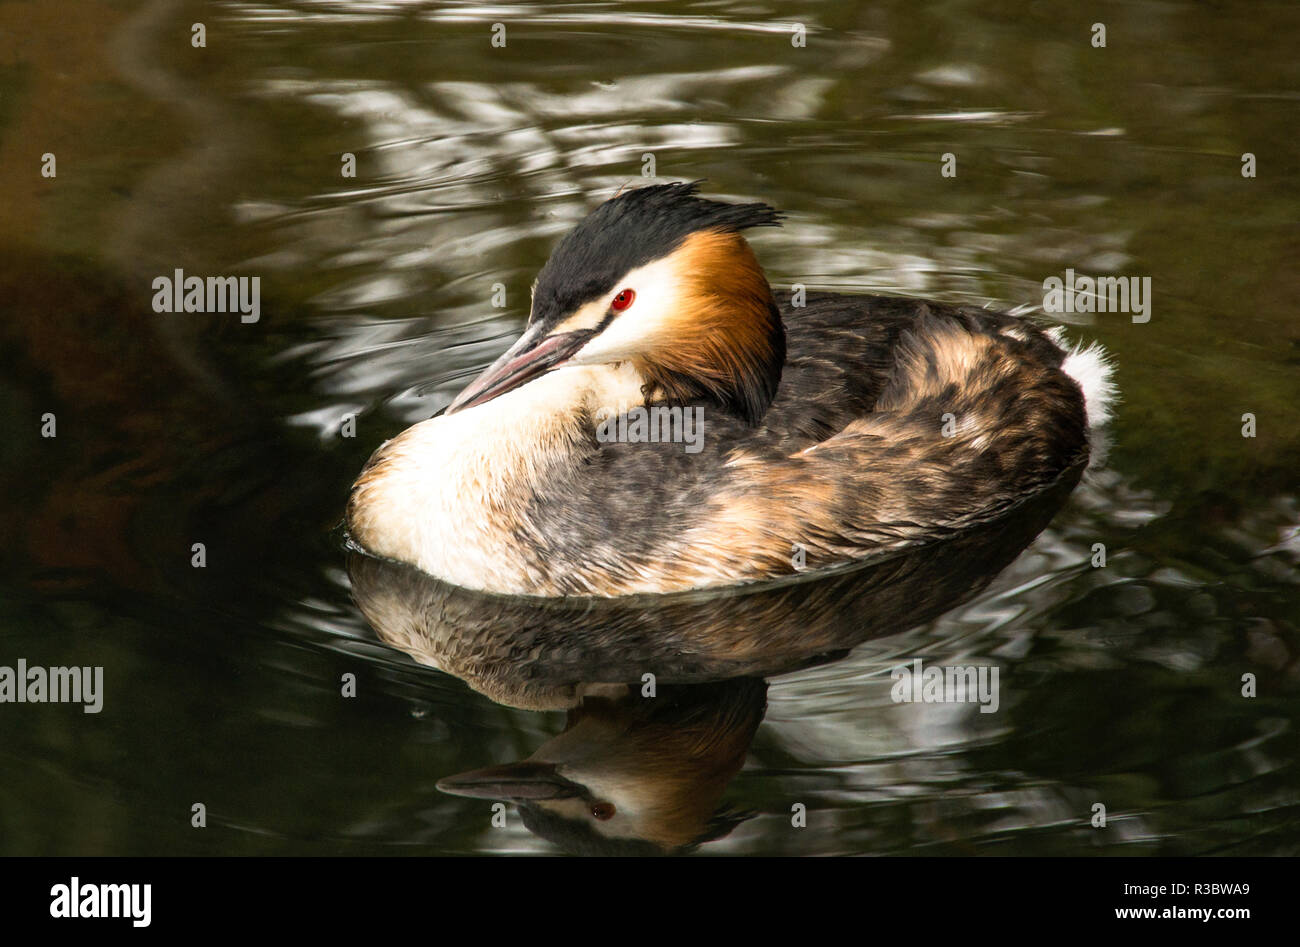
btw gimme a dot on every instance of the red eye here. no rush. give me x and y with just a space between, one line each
623 300
603 811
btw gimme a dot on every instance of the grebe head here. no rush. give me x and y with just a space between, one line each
662 280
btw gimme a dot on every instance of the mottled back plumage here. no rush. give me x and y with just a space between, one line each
851 456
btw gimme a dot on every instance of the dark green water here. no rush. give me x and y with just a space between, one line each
1120 685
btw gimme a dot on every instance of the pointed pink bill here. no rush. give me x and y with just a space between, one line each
522 362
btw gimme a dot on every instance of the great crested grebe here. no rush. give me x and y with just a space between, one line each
826 432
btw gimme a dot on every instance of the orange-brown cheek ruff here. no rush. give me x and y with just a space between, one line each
725 342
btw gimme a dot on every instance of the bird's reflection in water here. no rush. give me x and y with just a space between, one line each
633 773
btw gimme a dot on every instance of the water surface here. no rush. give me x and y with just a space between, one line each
1120 685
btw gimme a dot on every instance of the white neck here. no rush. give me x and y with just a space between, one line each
449 494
